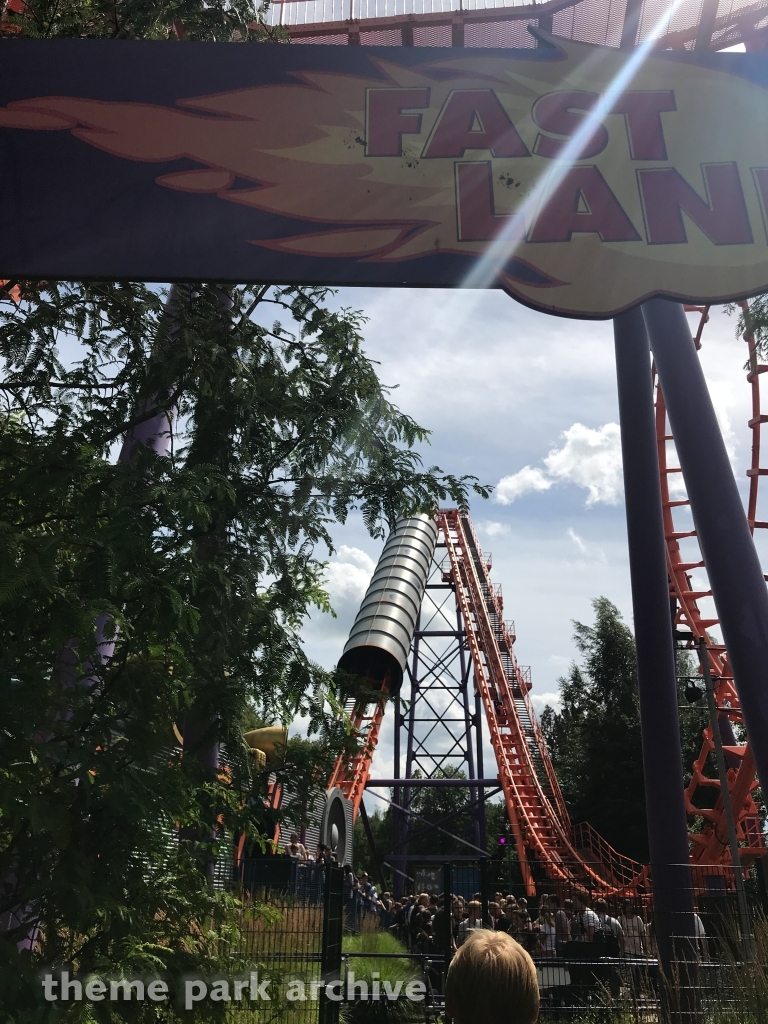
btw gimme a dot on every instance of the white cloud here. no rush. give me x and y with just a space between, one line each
347 577
723 399
591 459
492 529
577 540
356 556
527 479
588 458
542 700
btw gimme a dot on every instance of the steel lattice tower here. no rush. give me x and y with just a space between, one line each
438 720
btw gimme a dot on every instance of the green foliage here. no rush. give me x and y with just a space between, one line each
497 824
595 739
392 970
202 566
745 979
440 816
374 941
381 823
754 319
215 20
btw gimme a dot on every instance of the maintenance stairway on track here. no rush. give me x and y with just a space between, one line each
379 648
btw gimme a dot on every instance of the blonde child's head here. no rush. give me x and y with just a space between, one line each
492 979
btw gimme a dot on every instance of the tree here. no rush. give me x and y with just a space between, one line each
694 718
755 320
215 20
202 566
594 740
381 824
441 816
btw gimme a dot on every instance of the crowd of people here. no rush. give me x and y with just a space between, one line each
298 851
547 930
543 930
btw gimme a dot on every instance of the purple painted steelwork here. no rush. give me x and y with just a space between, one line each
478 819
473 782
656 671
443 728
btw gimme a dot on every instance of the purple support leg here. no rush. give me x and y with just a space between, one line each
657 680
734 570
398 880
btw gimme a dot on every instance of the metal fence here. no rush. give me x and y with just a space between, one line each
300 931
595 951
289 938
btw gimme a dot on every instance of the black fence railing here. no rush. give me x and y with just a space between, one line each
596 949
281 940
596 952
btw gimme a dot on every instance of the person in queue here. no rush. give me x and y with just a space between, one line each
471 923
492 979
546 932
562 924
634 930
585 921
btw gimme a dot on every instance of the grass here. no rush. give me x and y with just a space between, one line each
396 968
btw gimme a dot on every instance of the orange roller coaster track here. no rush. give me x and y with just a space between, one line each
710 845
541 827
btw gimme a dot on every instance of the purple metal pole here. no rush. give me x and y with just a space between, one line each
403 811
656 672
734 570
398 880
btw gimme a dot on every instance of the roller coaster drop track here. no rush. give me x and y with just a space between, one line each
542 830
541 827
540 823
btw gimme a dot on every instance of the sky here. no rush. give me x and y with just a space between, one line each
527 403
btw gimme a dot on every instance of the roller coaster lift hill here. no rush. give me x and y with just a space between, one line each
594 161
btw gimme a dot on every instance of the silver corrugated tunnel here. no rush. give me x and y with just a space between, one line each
381 636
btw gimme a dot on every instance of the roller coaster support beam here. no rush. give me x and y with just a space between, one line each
730 823
434 784
656 671
734 570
